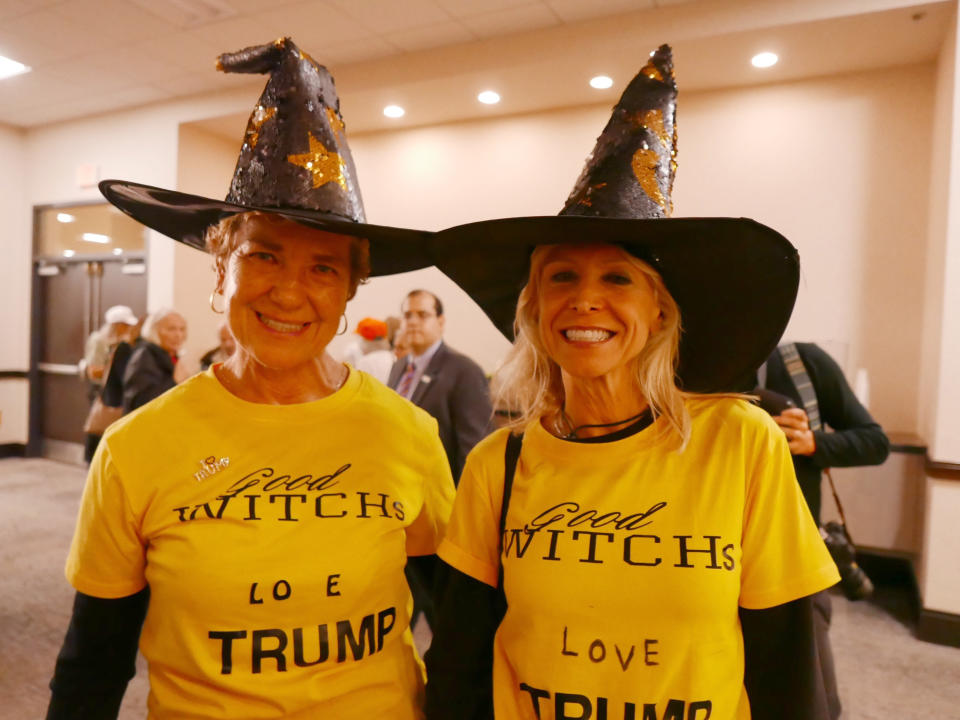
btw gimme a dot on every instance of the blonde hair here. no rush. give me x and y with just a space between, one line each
529 382
221 241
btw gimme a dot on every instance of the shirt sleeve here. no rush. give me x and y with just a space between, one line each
471 543
108 555
784 557
857 439
425 532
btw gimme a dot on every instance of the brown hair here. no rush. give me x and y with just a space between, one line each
220 240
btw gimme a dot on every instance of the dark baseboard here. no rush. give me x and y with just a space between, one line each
939 627
13 450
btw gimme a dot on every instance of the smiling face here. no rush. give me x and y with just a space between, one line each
597 309
285 288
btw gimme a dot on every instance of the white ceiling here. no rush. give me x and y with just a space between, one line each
433 56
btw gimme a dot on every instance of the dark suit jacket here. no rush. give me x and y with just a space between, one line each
453 389
149 374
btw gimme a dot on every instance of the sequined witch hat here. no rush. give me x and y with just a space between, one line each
734 279
294 162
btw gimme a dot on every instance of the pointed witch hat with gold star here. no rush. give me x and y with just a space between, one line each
294 162
734 279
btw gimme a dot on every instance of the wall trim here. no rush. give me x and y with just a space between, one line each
12 450
7 374
942 470
939 627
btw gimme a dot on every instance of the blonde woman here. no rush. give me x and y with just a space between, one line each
635 544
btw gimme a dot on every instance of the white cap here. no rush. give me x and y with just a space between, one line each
120 314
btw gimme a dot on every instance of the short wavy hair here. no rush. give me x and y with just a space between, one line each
529 382
220 241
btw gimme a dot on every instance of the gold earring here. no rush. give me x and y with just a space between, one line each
212 306
341 332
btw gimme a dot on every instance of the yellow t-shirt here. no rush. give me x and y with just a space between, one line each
274 539
625 563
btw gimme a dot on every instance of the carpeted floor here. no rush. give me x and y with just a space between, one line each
884 672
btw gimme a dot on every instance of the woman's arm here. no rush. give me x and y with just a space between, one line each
98 657
460 659
782 671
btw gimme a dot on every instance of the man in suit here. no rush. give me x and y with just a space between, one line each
448 385
453 389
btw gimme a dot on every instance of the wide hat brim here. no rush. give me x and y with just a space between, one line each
185 218
735 280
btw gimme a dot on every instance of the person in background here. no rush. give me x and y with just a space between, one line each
377 358
154 365
118 323
447 384
854 438
112 394
641 547
222 351
250 526
401 346
454 390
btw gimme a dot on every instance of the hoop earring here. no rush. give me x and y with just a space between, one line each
341 332
212 306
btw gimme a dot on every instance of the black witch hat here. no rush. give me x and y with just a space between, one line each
734 279
294 162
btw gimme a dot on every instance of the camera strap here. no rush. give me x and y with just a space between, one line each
798 373
801 380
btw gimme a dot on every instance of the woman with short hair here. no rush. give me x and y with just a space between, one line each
154 364
256 519
634 545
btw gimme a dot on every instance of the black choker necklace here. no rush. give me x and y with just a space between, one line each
572 434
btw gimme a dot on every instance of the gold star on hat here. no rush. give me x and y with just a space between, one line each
323 165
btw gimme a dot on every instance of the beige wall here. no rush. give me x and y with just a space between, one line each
16 246
840 166
939 574
204 167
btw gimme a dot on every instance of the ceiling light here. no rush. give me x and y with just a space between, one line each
68 253
96 238
9 68
118 251
65 217
601 82
764 60
488 97
394 111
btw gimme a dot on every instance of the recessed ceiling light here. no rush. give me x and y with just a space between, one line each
764 60
65 217
9 68
96 238
394 111
601 82
489 97
118 251
69 253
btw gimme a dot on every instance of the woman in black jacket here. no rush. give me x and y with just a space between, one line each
151 370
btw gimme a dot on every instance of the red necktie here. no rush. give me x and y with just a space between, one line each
403 387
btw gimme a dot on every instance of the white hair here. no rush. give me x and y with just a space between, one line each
150 324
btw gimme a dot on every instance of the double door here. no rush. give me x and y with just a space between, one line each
70 300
